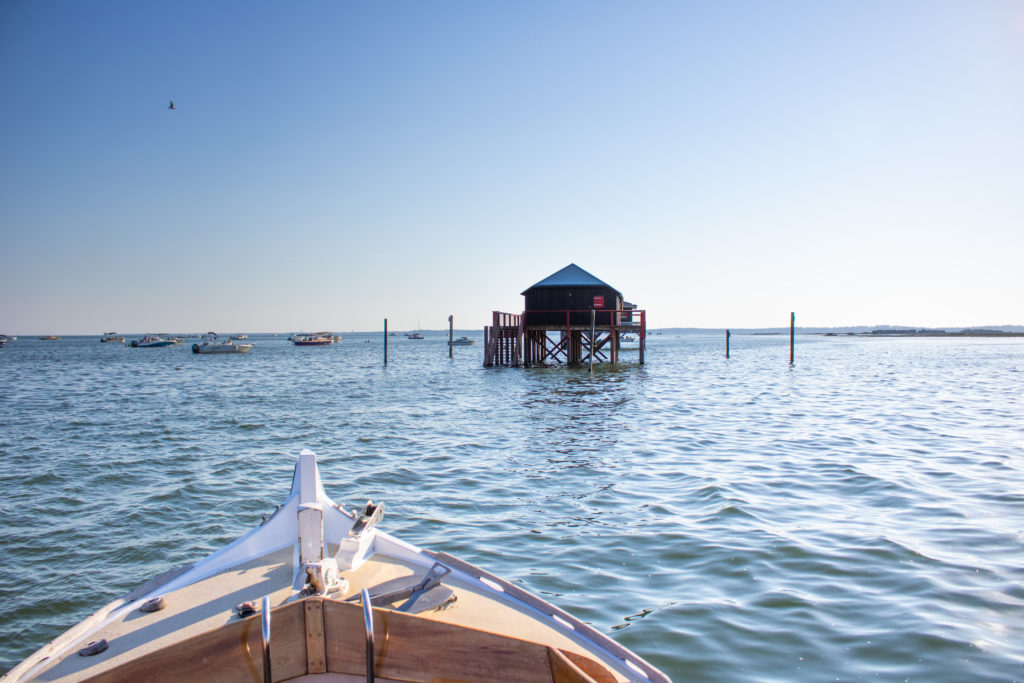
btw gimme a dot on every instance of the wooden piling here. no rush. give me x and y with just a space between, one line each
385 342
451 334
593 318
643 334
792 330
727 335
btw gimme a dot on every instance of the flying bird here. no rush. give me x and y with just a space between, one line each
171 106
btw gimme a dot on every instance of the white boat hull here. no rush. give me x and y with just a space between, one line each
221 348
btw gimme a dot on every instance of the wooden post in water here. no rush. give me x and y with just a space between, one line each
643 335
792 328
727 335
593 316
385 341
451 333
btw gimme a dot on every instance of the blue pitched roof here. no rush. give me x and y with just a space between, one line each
572 276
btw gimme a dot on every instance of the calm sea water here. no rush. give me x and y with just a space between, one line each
858 516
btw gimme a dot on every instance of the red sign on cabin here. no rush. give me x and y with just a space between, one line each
598 302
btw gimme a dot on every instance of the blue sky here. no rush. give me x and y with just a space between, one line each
332 164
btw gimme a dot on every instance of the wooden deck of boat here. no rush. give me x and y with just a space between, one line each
209 604
192 610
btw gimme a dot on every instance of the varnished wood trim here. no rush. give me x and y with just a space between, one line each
316 654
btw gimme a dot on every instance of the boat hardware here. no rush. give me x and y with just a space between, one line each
364 595
94 648
356 545
246 609
270 515
153 604
386 593
367 519
265 623
321 574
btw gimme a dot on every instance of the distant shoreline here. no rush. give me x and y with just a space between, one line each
872 332
924 333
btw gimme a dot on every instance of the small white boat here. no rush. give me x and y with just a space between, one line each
112 337
318 593
214 346
239 337
463 341
414 335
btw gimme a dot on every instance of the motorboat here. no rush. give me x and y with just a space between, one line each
414 335
49 337
152 341
313 340
319 593
112 337
213 346
239 337
463 341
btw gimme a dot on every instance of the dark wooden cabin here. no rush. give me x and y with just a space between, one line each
568 296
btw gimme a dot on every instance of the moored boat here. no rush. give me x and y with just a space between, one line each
463 341
317 592
211 345
112 337
152 341
313 340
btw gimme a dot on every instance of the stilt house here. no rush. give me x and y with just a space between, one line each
585 314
